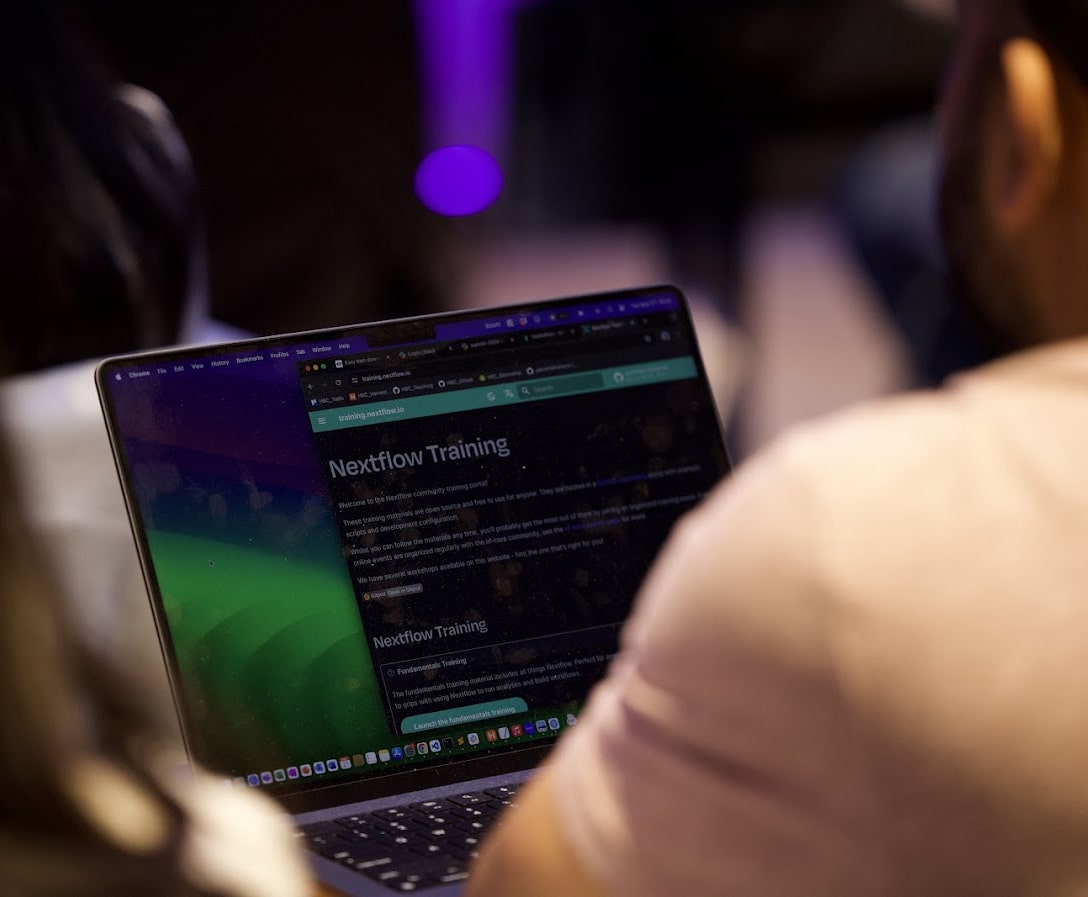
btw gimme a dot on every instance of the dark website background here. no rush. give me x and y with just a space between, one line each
477 562
267 614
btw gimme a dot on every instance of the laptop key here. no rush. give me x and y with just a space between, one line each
358 834
365 865
419 875
471 813
432 806
320 828
390 813
462 854
434 868
339 854
471 842
317 842
436 818
355 821
475 825
424 849
402 881
398 826
467 800
362 852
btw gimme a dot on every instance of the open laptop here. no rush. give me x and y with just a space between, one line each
388 562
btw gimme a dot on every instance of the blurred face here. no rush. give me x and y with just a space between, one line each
980 264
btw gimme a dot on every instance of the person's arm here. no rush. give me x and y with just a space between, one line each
528 848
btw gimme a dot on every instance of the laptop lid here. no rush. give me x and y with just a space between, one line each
387 557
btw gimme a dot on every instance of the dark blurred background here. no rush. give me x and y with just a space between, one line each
303 123
719 145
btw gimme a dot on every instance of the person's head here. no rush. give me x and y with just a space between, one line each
1014 192
96 220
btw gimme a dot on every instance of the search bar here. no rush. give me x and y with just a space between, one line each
561 386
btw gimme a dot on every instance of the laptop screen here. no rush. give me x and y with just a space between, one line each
406 545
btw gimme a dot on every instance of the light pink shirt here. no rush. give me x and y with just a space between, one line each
859 668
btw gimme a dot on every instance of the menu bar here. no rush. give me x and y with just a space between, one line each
484 327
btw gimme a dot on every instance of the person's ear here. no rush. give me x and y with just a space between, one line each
1030 163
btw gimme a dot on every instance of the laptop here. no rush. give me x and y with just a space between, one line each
388 562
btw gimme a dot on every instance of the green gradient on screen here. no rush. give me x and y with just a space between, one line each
273 647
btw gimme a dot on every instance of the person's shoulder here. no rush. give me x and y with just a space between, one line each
858 454
922 446
890 507
762 555
837 506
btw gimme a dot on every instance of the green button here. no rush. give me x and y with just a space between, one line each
460 716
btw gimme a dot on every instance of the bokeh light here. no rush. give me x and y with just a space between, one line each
458 180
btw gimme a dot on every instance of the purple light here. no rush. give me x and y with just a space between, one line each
466 53
466 50
458 180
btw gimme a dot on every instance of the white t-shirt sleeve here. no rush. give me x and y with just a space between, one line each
235 842
719 756
240 843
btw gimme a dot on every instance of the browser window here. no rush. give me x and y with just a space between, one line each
490 504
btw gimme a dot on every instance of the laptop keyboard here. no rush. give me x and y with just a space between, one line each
414 847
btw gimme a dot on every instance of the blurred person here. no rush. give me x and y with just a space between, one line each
856 668
101 251
99 210
90 803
